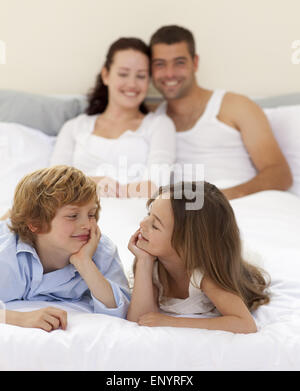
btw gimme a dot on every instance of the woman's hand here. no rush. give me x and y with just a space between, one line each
48 319
88 249
143 189
108 187
138 252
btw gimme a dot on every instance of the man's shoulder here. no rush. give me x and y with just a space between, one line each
232 98
237 106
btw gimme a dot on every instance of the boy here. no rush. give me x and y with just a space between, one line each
52 250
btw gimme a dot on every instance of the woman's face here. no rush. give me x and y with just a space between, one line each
128 78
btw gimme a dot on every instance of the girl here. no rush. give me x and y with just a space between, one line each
190 262
117 133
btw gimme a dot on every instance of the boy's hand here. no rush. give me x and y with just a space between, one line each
138 252
88 249
48 319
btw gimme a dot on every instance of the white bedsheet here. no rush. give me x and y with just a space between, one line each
270 226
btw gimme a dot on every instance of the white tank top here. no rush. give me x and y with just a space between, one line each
215 145
196 303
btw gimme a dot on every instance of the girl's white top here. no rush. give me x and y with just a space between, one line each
212 148
134 156
196 303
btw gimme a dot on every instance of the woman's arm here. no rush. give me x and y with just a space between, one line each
64 147
143 189
162 149
236 317
162 140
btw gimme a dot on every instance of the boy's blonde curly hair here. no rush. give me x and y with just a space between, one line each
40 194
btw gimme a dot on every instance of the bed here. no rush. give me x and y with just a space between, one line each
269 222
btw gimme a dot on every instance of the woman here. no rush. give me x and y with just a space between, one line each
117 141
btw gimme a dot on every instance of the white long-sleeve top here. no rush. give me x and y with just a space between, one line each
128 158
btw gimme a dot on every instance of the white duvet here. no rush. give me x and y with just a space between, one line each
270 227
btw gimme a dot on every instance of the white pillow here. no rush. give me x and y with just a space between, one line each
285 123
22 150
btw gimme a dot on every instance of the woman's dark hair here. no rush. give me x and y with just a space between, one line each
98 96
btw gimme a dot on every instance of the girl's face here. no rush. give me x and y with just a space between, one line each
157 228
128 78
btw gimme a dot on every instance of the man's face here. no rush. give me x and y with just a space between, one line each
173 69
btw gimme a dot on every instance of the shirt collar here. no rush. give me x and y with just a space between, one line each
27 248
23 247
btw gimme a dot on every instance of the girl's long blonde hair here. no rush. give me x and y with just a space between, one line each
208 239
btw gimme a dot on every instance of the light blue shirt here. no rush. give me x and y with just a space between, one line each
22 278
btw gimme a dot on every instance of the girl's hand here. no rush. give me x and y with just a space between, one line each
138 252
48 319
155 319
88 249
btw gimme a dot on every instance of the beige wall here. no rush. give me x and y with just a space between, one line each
58 46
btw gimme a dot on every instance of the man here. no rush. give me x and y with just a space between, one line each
226 132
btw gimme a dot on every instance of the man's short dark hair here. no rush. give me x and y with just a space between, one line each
174 34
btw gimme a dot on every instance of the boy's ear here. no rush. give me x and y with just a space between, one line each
32 228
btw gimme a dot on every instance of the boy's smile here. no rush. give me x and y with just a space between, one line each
82 238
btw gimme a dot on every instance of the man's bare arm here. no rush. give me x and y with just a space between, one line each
273 171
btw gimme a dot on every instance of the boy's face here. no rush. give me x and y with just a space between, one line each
70 228
173 69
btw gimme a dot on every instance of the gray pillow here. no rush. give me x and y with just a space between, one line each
279 100
271 101
46 113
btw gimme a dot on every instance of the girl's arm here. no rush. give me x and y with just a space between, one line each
236 317
144 295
